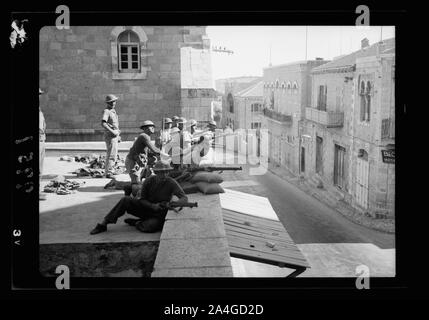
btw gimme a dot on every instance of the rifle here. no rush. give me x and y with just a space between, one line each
172 205
213 168
184 173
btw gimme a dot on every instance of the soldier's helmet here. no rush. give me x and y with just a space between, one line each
212 123
167 120
181 120
162 165
175 118
111 98
192 122
147 123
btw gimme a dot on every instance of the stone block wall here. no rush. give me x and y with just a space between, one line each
77 71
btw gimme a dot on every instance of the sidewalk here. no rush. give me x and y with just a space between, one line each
383 225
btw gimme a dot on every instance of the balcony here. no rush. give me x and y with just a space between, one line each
277 116
330 119
387 129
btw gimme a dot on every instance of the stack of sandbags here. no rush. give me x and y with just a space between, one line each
207 182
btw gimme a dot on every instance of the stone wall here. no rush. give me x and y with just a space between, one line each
368 137
284 138
77 70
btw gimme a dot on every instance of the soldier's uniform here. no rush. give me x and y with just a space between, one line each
137 158
111 118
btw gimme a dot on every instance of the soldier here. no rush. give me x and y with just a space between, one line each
185 137
137 157
149 210
164 135
174 120
110 123
42 138
193 126
212 126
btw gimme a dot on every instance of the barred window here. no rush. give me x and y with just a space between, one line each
129 52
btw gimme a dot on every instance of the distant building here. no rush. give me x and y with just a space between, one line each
156 71
231 116
349 124
241 82
286 94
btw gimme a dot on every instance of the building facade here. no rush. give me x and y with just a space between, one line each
287 92
143 65
348 124
233 109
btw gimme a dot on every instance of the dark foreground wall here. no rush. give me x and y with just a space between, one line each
126 259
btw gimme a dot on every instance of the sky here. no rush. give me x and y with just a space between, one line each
251 45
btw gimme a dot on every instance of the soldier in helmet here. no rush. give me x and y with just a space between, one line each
212 125
148 209
164 134
175 119
137 157
110 123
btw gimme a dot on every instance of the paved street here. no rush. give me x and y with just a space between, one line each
305 218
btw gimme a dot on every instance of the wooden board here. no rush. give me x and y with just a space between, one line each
262 240
248 204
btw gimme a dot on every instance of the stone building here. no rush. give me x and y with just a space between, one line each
143 65
349 121
286 94
232 86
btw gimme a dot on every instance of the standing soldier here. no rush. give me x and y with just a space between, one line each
175 120
164 135
42 138
110 123
193 126
137 157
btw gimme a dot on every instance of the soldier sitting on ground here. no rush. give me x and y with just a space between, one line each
151 213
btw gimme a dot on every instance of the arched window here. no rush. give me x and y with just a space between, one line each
230 102
129 52
362 101
277 84
272 100
368 100
289 87
295 88
283 85
365 93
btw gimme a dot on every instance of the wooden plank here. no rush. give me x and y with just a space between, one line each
262 238
261 247
278 244
257 233
254 223
247 217
267 231
238 252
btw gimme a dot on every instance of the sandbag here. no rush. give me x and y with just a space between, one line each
209 177
209 188
189 187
